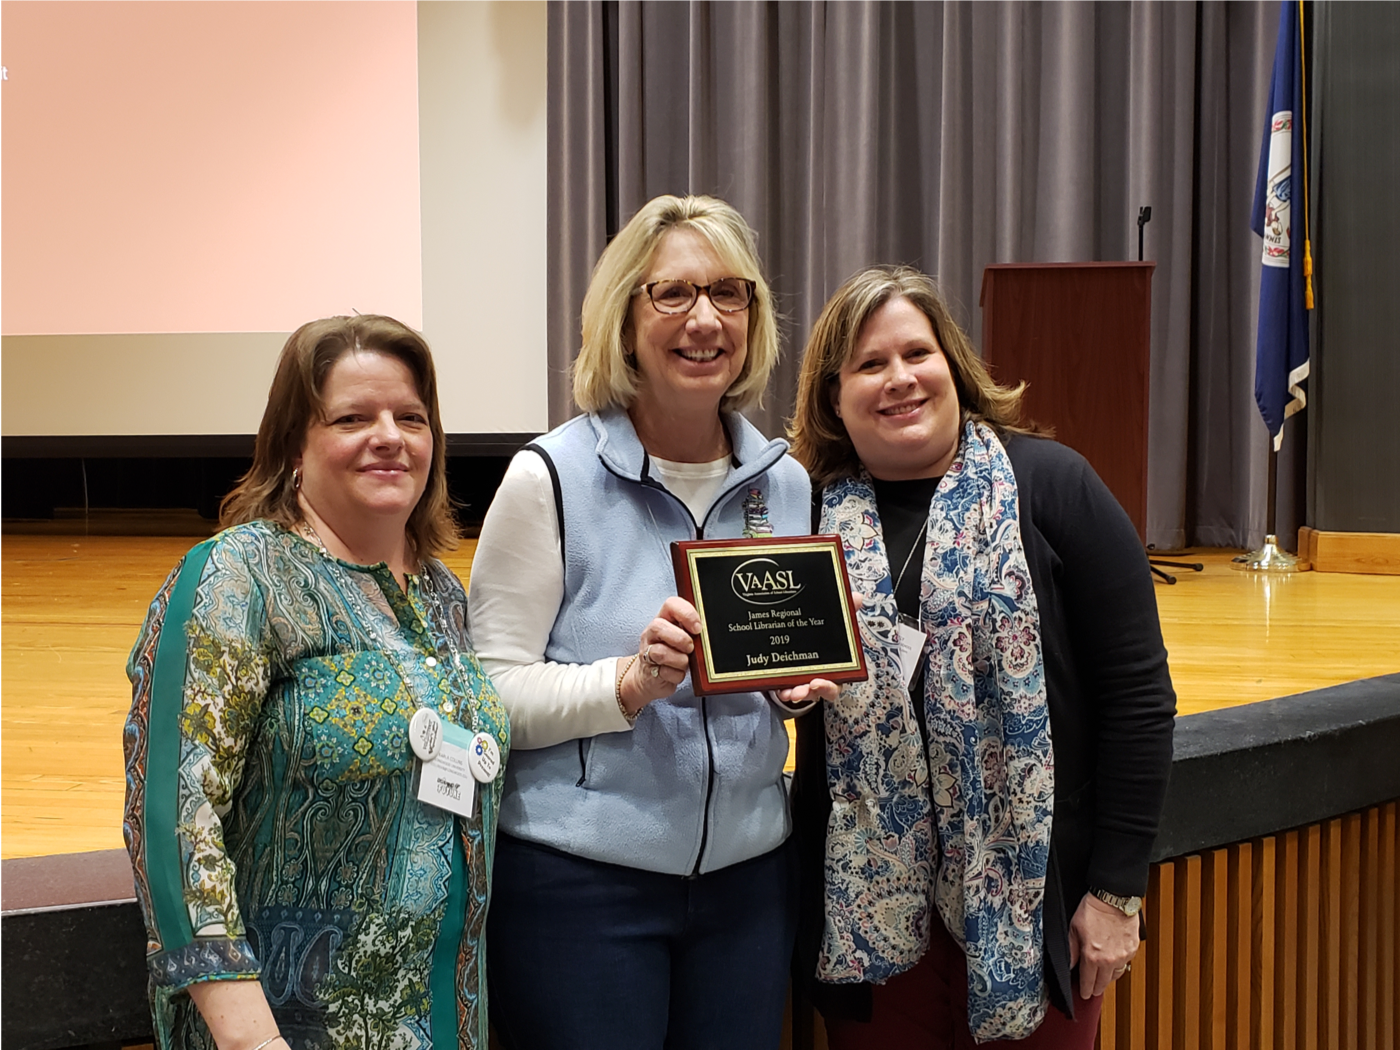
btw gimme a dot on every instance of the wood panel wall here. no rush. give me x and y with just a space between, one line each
1288 942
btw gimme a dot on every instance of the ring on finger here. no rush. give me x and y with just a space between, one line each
649 662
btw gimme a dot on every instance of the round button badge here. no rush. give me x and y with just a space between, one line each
425 733
484 758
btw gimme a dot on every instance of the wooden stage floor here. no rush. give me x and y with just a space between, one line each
72 606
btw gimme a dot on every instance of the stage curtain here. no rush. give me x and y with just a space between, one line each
947 136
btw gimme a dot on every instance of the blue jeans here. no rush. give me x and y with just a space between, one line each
585 955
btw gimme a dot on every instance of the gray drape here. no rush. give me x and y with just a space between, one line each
948 136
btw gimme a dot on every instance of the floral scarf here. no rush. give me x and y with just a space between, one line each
964 826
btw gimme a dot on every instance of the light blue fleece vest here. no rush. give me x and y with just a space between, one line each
697 785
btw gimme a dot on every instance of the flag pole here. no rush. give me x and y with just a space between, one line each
1270 557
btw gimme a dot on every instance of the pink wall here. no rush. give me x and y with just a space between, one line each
208 166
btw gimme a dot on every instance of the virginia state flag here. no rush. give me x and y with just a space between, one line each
1281 355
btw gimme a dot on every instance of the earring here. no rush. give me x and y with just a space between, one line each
296 479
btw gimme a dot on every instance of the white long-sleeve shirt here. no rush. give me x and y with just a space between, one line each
517 588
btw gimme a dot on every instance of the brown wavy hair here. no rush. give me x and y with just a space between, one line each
819 439
294 402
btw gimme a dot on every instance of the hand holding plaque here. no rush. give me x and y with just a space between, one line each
662 659
775 611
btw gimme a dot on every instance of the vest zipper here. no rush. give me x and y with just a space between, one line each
651 483
647 480
709 783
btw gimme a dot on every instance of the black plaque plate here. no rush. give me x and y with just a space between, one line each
776 612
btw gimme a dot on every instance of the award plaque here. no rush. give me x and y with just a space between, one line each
776 612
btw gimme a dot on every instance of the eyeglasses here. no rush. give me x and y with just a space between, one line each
728 295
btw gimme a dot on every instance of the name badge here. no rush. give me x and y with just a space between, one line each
425 733
446 781
484 758
911 639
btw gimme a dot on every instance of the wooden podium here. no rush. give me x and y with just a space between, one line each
1078 333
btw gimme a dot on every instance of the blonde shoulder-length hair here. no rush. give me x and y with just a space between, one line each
268 490
605 371
819 438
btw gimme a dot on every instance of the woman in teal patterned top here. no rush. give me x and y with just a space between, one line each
294 887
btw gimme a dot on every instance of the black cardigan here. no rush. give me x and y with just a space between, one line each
1111 713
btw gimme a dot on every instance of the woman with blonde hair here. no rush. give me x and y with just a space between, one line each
643 883
956 869
297 888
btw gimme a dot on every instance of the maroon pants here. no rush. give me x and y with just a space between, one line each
925 1008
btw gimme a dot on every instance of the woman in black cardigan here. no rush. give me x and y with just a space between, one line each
964 878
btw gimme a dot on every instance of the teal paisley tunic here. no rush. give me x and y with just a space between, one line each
271 815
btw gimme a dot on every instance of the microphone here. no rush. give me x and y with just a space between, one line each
1144 217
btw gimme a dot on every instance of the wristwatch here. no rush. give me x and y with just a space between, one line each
1129 906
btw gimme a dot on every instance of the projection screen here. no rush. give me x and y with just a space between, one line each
185 183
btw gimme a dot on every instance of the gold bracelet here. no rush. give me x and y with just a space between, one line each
617 692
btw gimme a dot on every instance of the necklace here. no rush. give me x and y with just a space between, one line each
308 532
918 541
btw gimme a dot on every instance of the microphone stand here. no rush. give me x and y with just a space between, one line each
1144 217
